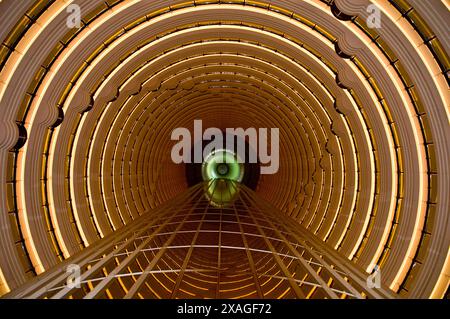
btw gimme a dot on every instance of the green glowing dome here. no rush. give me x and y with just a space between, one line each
221 169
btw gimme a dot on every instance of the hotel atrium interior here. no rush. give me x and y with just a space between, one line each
92 204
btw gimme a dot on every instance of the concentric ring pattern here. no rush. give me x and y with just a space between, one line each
363 115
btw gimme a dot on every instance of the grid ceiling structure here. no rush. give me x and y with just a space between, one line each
195 248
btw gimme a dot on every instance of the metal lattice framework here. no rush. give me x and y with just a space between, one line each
194 248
